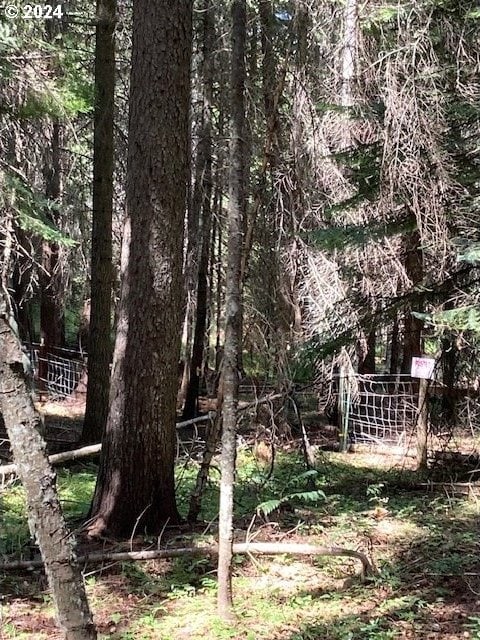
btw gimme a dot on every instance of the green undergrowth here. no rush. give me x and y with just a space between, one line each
424 546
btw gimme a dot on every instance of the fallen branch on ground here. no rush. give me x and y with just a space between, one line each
263 400
58 458
84 452
261 548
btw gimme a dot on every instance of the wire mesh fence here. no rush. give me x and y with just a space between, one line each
56 374
378 409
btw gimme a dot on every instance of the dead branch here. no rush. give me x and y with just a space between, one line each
260 548
209 416
249 405
58 458
84 452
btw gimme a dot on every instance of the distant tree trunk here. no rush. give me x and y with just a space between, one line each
45 517
217 252
233 308
99 338
413 327
204 186
218 303
366 363
135 488
394 346
52 327
349 56
270 301
449 369
20 285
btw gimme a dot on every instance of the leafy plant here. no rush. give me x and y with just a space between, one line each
374 494
290 497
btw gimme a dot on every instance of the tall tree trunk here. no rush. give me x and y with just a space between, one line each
52 321
449 369
204 185
99 342
233 307
270 234
45 516
135 489
52 329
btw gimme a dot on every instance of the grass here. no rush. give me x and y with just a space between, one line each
425 547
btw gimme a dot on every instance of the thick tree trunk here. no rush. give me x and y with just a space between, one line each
45 517
135 488
233 308
99 342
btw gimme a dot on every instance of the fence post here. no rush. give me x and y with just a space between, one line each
422 425
343 407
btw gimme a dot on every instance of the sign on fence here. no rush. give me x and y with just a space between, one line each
423 368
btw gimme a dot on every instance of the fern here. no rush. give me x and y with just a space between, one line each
266 508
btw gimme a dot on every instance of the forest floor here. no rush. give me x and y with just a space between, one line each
424 545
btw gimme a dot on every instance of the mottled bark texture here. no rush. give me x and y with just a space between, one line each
135 487
99 339
45 517
233 307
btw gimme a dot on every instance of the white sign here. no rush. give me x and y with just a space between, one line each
423 368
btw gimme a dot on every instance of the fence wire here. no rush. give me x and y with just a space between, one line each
61 373
382 410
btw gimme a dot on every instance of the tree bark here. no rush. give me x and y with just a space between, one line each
449 370
99 338
233 308
394 347
45 517
413 327
366 364
204 186
135 487
52 329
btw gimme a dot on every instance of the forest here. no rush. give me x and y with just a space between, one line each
240 319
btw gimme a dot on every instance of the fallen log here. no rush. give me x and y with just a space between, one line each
58 458
260 548
84 452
